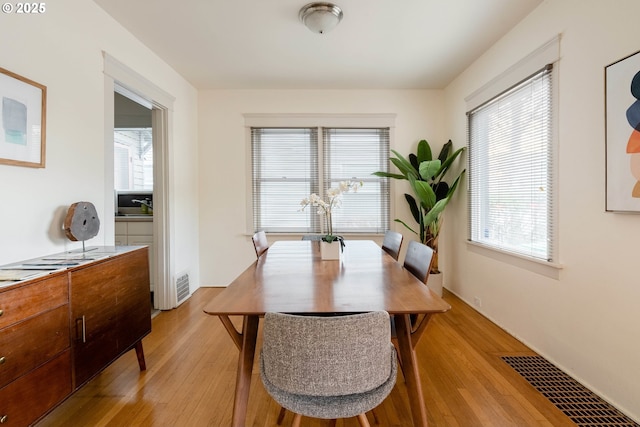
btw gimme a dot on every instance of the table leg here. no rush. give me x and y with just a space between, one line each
245 366
231 330
410 370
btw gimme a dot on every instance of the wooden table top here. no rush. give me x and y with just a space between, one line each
292 278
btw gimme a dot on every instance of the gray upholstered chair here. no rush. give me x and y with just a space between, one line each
328 367
260 243
392 243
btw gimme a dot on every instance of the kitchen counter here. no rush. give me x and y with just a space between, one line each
135 230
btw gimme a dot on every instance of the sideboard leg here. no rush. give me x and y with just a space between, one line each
140 355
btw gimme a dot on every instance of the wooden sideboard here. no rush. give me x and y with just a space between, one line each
61 327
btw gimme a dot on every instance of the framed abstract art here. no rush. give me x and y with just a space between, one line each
22 120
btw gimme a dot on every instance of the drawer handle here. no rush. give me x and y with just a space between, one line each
3 419
2 360
83 328
1 312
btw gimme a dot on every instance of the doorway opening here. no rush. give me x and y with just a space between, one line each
133 174
125 81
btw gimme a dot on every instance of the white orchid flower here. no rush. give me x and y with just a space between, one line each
334 200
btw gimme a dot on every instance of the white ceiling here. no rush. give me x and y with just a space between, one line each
261 44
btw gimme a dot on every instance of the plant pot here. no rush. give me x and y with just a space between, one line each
330 250
434 282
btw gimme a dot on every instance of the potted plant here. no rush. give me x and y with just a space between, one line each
431 193
334 200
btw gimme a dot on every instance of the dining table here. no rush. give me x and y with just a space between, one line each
291 277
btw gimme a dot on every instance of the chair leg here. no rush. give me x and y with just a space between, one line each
281 415
296 420
364 422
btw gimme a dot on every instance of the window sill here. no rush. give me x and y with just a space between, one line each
545 268
347 236
352 236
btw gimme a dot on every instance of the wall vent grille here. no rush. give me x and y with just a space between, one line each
182 287
584 407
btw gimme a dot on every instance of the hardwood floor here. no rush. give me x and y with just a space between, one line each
191 366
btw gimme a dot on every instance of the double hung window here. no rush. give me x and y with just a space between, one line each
511 169
288 164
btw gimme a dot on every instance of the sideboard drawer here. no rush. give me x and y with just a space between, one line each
25 400
28 344
26 301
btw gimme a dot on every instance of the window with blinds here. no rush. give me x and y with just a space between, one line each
285 164
511 169
291 163
133 158
355 154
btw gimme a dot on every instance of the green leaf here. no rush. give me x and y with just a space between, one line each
413 206
403 164
424 151
455 185
413 159
433 215
389 175
403 223
425 193
447 163
429 169
444 151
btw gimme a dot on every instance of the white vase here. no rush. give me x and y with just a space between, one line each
330 250
434 282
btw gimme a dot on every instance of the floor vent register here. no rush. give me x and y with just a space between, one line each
580 404
182 288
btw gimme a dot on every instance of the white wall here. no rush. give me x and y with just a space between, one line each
225 248
586 320
63 50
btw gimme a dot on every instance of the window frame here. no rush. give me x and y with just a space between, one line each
319 121
548 53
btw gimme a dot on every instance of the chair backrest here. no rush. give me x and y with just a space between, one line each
418 260
392 243
327 356
260 243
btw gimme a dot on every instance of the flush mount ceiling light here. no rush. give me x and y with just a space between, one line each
320 17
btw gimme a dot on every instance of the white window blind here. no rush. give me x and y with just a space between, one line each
285 161
122 167
291 163
133 158
355 154
511 169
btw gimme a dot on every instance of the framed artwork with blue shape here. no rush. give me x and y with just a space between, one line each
23 106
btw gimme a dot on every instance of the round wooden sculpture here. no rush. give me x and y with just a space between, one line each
82 221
